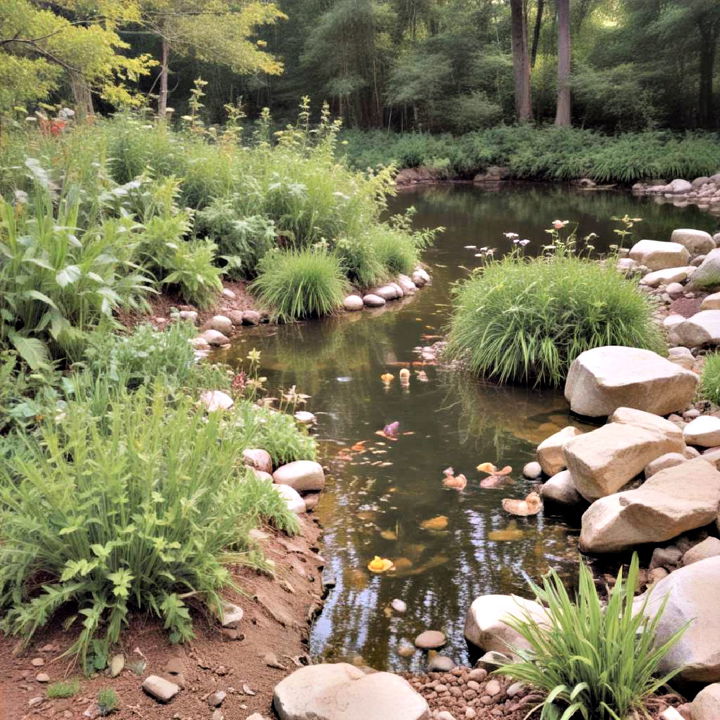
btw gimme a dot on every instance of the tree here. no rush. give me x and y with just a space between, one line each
521 60
562 115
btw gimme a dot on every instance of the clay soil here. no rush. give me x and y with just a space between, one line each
246 663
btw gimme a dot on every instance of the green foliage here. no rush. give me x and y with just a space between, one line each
63 689
710 378
136 508
396 250
108 701
298 284
526 320
594 660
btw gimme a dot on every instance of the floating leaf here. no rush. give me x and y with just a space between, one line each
440 522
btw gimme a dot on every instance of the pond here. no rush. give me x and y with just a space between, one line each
380 494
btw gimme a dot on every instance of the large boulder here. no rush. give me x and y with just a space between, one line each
486 622
692 598
604 460
549 451
698 242
667 276
671 502
708 273
606 378
560 488
658 254
703 328
293 499
679 186
706 705
703 431
339 691
301 475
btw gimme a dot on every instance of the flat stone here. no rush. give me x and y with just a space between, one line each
430 640
549 451
658 255
668 275
215 338
232 615
215 400
372 300
258 459
670 503
159 688
709 547
706 705
708 273
42 678
353 303
560 488
292 498
304 417
703 328
703 431
606 378
188 316
343 691
692 598
301 475
711 302
698 242
663 462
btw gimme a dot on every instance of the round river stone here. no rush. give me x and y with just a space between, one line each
430 640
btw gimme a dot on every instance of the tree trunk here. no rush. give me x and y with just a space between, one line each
708 46
562 115
164 69
82 96
536 31
521 61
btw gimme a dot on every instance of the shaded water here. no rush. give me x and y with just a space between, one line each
379 492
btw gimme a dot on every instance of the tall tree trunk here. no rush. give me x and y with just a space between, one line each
521 61
708 47
164 69
82 96
562 115
536 31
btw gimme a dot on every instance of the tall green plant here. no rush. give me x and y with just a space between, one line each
596 661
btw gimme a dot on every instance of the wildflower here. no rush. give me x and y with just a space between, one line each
559 224
254 355
387 378
511 235
524 242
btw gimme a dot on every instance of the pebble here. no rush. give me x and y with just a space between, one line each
37 662
440 663
532 470
493 687
251 317
160 689
399 606
42 678
217 698
405 649
430 639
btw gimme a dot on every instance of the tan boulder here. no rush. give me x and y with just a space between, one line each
703 328
698 242
657 254
560 488
670 503
549 451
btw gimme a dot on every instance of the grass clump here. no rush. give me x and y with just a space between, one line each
134 506
596 661
108 701
710 379
525 320
63 689
297 284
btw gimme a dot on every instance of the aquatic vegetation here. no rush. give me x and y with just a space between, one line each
297 284
594 660
380 565
531 505
525 320
710 378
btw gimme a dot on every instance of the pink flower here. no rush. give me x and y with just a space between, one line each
560 224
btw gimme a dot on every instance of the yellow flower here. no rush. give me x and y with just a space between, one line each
387 378
380 565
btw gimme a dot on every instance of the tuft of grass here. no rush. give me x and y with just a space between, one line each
108 701
710 379
297 284
63 689
595 661
395 250
525 320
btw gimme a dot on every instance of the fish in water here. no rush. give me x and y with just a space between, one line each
451 480
531 505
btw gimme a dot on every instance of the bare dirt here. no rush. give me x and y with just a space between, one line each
246 663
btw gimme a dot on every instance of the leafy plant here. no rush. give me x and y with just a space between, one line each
298 284
108 701
526 320
595 661
63 689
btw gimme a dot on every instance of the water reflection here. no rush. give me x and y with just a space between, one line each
384 496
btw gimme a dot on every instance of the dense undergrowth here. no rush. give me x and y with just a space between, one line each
542 153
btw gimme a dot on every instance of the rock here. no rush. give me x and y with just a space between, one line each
420 277
430 640
406 649
711 302
251 317
606 378
305 418
703 431
199 343
698 242
188 316
262 475
214 400
312 499
698 182
708 273
681 356
117 663
37 662
236 317
232 615
709 547
444 715
706 705
670 713
406 284
667 558
493 687
372 300
399 606
691 594
400 292
679 186
258 459
333 691
485 622
256 716
352 303
44 678
292 498
492 660
671 502
215 338
160 689
228 293
301 475
386 292
560 488
217 698
221 323
532 470
440 663
658 255
703 328
668 276
663 462
602 461
549 451
674 290
627 265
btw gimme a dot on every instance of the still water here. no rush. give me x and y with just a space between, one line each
379 492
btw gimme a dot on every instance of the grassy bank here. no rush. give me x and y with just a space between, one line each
542 153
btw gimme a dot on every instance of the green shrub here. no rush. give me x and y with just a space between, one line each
526 320
596 661
63 689
108 701
710 379
136 509
396 250
300 283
